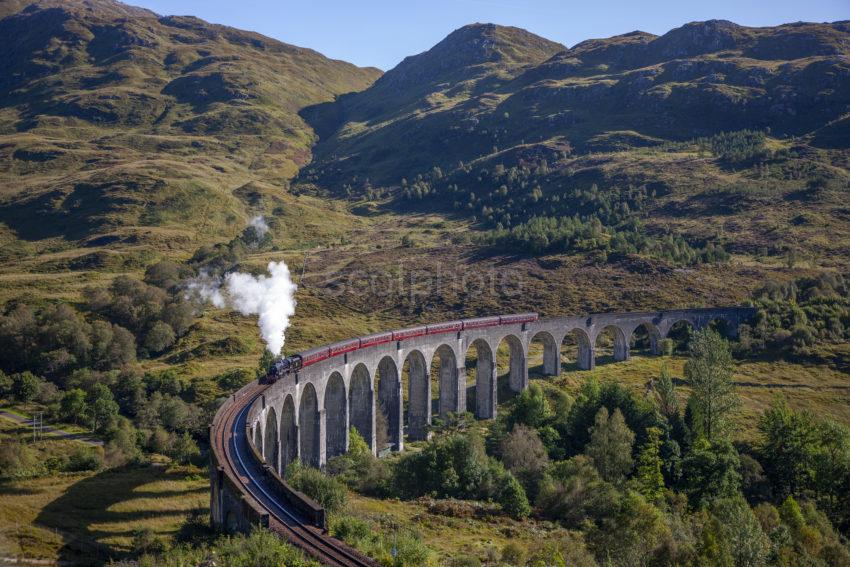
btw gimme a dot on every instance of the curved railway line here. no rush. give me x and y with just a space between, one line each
240 464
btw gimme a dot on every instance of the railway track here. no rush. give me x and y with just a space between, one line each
233 445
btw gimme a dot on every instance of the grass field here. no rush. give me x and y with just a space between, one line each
820 389
90 518
453 529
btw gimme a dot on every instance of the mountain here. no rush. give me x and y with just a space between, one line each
712 134
118 125
697 80
459 75
125 135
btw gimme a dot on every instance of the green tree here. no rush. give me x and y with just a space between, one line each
73 406
121 442
530 408
712 548
710 471
788 447
26 386
103 409
832 469
666 397
6 384
709 373
122 349
648 478
610 445
632 535
512 497
741 531
185 449
159 337
525 456
327 491
265 363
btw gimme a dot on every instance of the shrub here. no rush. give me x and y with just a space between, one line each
26 386
18 460
512 497
513 554
379 543
361 470
159 337
234 379
667 346
261 547
185 450
6 384
146 541
84 459
328 492
449 466
525 456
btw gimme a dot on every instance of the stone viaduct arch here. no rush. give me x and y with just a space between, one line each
418 396
270 440
391 401
288 434
486 384
336 412
652 336
309 428
452 387
618 336
308 415
361 404
551 352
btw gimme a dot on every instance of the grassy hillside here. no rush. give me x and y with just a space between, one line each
601 95
712 136
121 127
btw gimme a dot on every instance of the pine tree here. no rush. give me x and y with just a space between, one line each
610 445
709 371
789 444
665 394
648 478
265 363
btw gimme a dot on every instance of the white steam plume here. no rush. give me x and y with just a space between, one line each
271 297
207 287
260 226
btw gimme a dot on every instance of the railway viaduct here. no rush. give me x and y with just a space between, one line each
308 415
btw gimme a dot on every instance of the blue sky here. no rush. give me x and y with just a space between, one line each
382 32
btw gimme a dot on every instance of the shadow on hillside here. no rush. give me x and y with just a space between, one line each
6 489
74 215
97 509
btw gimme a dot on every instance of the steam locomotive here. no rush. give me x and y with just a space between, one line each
282 367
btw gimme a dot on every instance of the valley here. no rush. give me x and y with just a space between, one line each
496 172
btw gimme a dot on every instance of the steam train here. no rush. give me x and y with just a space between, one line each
281 367
295 362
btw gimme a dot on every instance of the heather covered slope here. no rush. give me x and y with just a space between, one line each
711 136
499 90
411 103
120 125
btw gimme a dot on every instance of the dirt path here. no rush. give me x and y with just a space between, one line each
52 431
